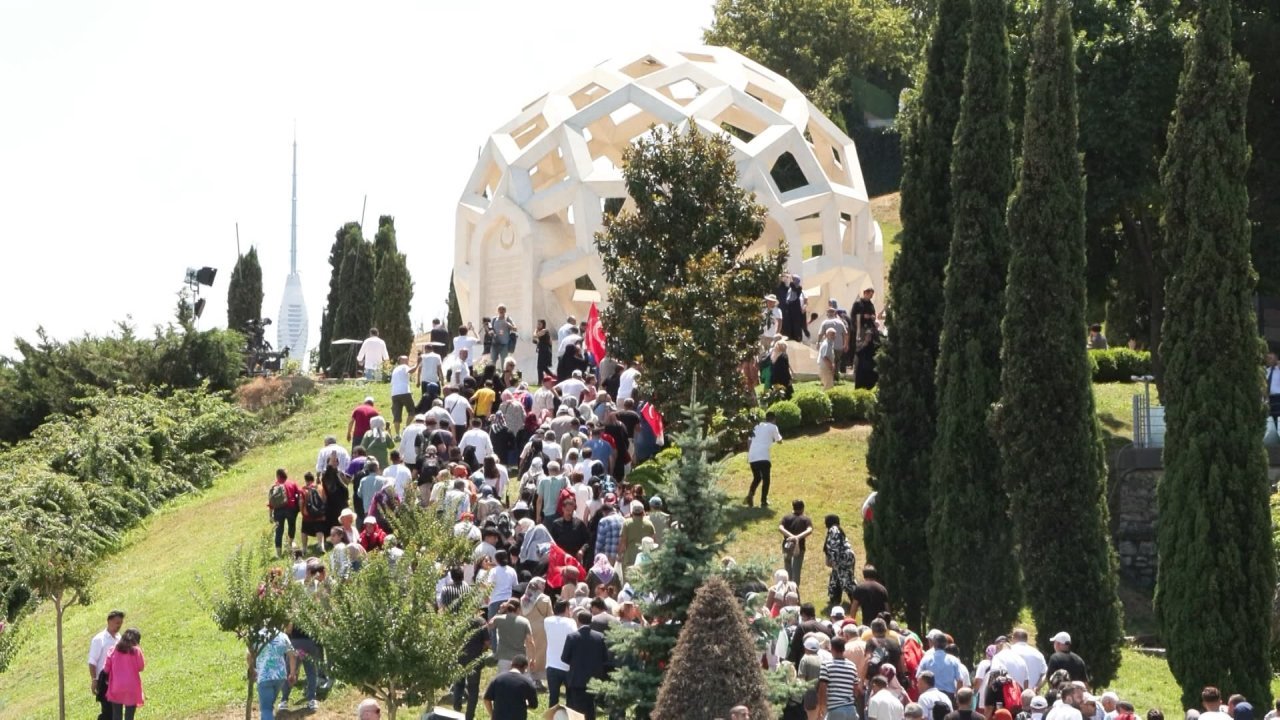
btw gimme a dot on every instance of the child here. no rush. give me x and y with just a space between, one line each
124 675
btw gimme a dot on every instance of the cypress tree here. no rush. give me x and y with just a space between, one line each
907 395
244 292
1050 442
392 297
384 241
715 665
337 252
354 316
1216 576
453 314
969 533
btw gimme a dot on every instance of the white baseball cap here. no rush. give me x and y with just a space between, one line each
1063 638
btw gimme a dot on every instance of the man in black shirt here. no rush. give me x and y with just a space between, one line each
511 694
568 531
1063 659
808 623
472 650
863 312
964 706
795 528
628 416
869 595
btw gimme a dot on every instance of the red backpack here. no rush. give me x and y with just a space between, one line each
1012 693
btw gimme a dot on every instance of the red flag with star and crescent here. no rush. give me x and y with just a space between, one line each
595 334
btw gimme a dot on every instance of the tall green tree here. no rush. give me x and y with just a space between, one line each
384 241
354 315
716 664
244 292
453 313
1216 575
682 298
907 363
683 563
1051 452
342 241
392 298
969 533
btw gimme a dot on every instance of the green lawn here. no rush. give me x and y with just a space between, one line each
194 671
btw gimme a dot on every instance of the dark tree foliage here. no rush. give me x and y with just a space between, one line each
907 395
1258 37
354 316
679 567
244 292
346 235
683 299
384 241
969 532
453 313
392 298
716 664
1216 576
1050 442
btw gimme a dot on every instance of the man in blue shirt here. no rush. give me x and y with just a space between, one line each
945 668
600 448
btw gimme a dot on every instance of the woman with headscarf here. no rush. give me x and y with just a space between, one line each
534 547
542 341
602 573
377 441
890 674
536 607
645 556
777 591
840 559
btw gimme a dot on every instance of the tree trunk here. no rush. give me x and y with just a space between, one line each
248 696
62 679
391 700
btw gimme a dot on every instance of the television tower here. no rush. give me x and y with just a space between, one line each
291 328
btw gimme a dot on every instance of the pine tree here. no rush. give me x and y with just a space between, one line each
1050 442
453 314
384 241
715 665
342 240
392 298
679 567
354 316
969 533
1216 575
907 394
244 292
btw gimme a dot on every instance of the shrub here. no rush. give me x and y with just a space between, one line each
815 406
274 397
851 405
787 414
1119 364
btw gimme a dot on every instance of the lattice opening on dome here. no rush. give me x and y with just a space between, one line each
787 174
529 131
741 123
587 95
487 184
827 151
583 282
644 66
611 133
699 57
770 99
549 171
810 236
611 206
682 91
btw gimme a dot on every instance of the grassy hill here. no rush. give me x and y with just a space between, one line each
194 671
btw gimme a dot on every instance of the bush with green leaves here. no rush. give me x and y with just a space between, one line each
815 406
851 404
787 415
1119 364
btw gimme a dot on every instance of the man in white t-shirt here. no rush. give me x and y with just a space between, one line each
430 367
558 627
627 382
1031 657
401 395
409 440
458 368
573 387
331 447
399 474
1066 706
373 352
98 648
459 410
465 341
570 327
476 438
1011 662
759 456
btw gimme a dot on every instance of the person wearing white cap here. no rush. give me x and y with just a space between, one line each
1032 658
837 617
772 320
1038 707
1064 659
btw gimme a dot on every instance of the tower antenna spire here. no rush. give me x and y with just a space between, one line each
293 224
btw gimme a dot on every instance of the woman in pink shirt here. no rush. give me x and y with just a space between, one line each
124 675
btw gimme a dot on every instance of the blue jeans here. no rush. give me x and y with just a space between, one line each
369 373
846 712
313 676
268 691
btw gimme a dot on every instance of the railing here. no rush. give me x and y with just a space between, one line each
1148 418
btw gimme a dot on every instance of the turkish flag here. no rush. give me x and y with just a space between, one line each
595 334
651 415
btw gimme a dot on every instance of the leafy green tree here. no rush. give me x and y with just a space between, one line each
852 58
380 628
715 665
683 299
453 313
12 635
244 292
1052 453
356 286
969 534
1216 576
683 563
346 236
392 297
907 404
254 603
384 241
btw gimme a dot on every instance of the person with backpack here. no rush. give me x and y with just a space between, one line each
313 512
123 668
283 504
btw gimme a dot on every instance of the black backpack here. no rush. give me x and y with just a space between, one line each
315 503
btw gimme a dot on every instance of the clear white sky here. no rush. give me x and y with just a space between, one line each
134 135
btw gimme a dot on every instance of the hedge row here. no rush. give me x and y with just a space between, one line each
811 407
1119 364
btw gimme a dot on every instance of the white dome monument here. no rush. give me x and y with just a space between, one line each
544 181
